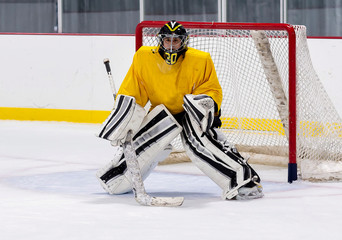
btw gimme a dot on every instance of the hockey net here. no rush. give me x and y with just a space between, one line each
275 110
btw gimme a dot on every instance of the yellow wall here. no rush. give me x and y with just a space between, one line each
42 114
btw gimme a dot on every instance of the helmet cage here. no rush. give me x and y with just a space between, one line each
171 55
171 37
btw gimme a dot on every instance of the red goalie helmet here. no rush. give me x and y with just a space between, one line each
173 40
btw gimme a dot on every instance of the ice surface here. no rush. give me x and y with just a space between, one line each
48 190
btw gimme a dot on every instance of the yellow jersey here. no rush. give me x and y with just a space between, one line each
151 78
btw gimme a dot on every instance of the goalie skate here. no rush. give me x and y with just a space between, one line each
247 193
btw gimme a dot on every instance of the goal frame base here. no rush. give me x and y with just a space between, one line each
292 172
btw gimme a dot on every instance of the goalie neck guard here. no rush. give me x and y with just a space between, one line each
173 40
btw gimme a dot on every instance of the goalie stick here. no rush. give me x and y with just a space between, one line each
139 191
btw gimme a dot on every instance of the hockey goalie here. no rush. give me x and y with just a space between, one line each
185 95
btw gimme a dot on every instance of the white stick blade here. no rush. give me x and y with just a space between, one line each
167 201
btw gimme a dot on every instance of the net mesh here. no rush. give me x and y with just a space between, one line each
250 118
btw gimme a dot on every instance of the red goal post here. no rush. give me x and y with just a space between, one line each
146 31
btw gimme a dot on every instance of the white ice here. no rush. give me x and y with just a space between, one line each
48 190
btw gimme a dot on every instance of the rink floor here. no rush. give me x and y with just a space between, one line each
48 190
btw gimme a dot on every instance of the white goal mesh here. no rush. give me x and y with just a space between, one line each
251 107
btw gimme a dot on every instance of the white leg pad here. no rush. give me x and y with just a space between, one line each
151 144
226 169
118 181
